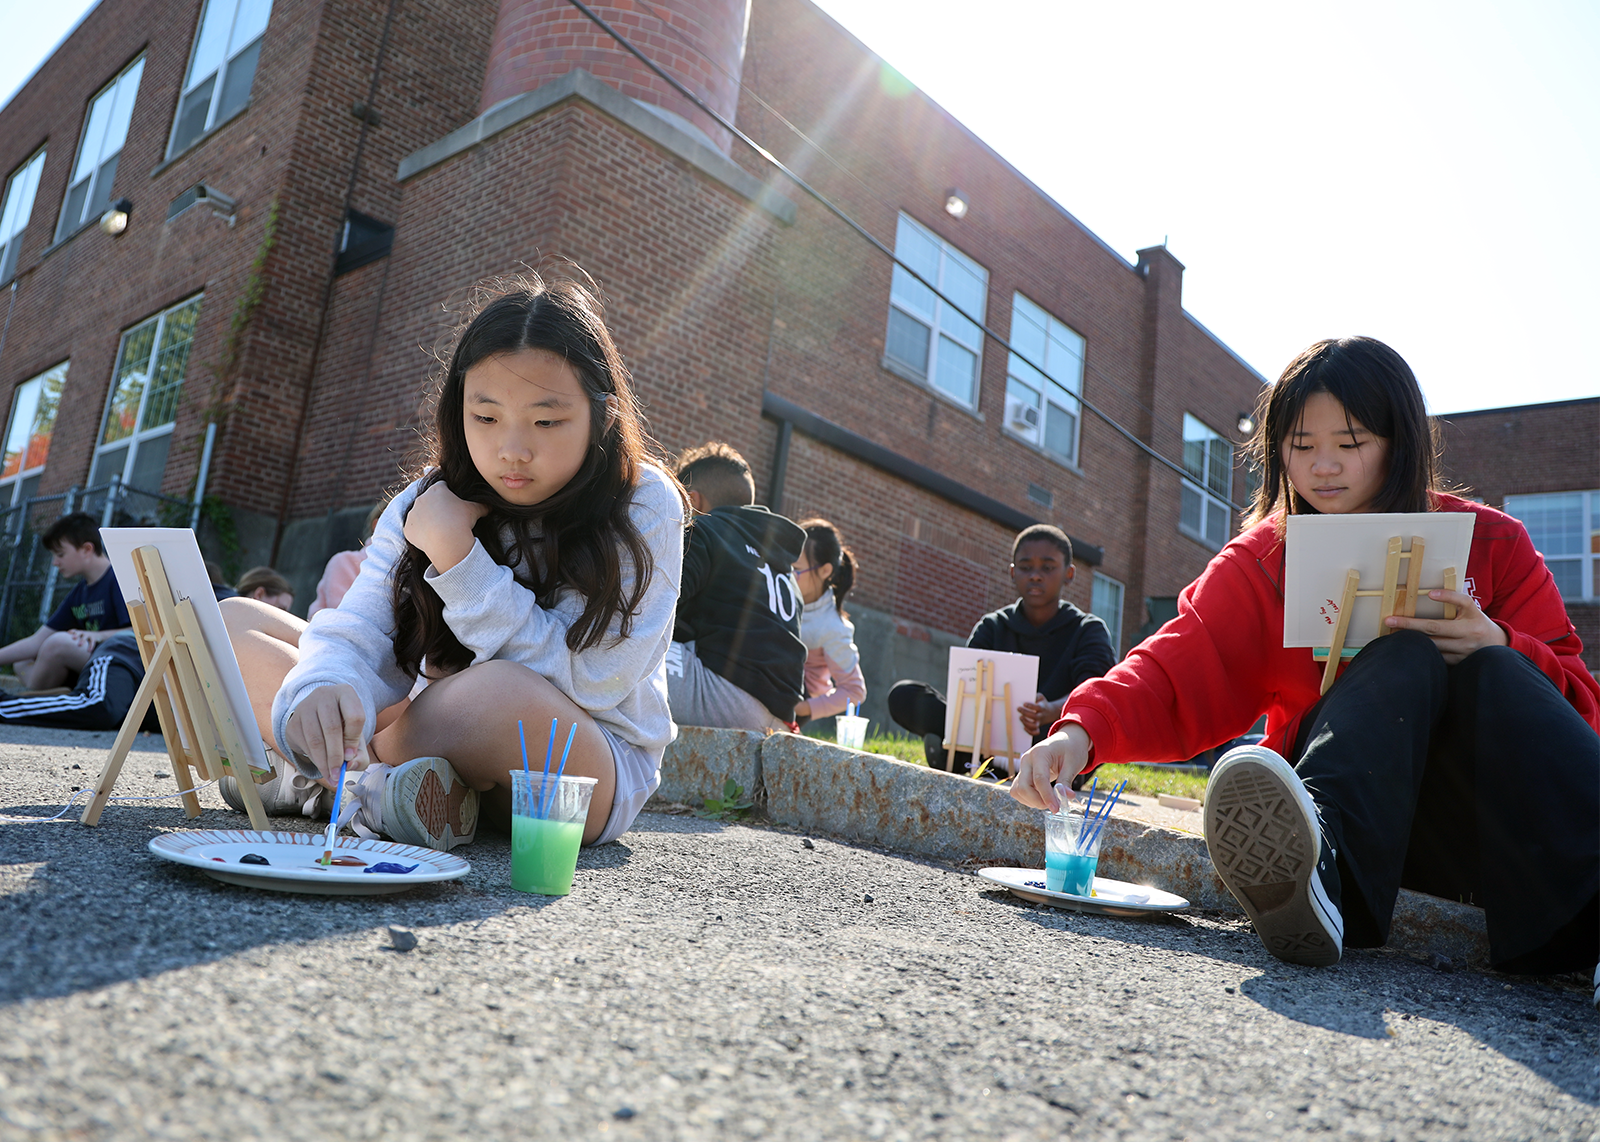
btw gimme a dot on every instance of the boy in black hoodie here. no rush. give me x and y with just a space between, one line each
736 659
1072 645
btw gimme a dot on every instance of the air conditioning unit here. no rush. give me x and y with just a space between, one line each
1022 417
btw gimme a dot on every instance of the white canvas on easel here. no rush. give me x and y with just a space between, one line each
1321 551
968 690
192 677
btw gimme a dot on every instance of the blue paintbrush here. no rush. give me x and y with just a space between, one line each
333 820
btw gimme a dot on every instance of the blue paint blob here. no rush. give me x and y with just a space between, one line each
387 866
253 858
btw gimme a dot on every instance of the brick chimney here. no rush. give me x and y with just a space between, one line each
698 42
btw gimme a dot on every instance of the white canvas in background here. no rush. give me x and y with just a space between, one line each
1021 670
187 575
1323 548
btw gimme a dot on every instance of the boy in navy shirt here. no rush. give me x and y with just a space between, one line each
52 655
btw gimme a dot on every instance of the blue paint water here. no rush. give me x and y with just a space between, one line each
1069 872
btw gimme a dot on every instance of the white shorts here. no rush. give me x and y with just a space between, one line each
638 776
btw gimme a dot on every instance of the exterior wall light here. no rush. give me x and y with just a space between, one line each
1247 424
115 220
955 203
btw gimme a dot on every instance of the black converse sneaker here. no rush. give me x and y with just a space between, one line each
1265 839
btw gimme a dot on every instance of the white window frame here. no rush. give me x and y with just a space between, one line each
1209 484
220 18
142 436
1587 557
911 301
15 211
105 130
1105 587
25 401
1059 350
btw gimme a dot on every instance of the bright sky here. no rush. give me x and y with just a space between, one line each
1424 172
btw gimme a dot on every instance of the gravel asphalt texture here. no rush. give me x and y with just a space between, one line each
707 980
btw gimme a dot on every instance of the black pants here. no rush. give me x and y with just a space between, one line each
1476 782
100 701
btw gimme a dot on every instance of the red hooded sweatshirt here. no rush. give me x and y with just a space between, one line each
1206 676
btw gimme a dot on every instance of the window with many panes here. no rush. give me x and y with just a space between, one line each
143 403
27 442
1208 458
1565 527
104 131
222 67
928 340
1043 408
1106 602
14 212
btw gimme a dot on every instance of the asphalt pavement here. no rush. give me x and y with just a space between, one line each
707 980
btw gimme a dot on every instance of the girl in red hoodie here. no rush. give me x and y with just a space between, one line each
1456 756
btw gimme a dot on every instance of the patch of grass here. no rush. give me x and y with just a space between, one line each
1153 780
731 806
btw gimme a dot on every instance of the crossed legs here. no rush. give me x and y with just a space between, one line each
470 718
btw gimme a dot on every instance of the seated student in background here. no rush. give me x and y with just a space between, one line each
267 586
736 659
1072 645
833 665
52 655
342 569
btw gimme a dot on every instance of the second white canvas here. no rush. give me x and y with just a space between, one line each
1323 548
1020 670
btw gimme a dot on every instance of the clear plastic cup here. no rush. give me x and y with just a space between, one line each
544 848
850 731
1070 857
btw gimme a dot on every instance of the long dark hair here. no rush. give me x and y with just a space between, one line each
1380 392
581 537
823 545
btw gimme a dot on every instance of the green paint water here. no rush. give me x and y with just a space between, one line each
544 854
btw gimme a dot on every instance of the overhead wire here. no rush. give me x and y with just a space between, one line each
778 164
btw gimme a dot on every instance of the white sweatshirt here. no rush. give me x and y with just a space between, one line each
621 683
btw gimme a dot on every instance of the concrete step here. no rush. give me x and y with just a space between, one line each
818 787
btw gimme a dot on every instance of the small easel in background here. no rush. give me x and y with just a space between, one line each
1397 599
983 698
180 677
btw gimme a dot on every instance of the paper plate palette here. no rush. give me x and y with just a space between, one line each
292 861
1111 897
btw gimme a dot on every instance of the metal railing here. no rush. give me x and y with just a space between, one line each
28 580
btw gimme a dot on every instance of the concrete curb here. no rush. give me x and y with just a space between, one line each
816 786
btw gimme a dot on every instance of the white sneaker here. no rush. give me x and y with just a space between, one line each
1265 839
423 802
287 794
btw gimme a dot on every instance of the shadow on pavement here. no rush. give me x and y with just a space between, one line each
1544 1025
84 908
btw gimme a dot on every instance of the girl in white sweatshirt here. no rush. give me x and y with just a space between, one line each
826 573
530 573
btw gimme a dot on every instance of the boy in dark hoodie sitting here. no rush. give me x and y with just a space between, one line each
1072 645
736 659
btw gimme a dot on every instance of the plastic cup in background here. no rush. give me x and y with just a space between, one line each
1066 868
850 731
544 851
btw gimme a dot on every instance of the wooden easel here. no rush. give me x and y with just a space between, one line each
1398 599
983 697
180 677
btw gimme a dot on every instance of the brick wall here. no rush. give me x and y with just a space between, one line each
1528 448
699 42
1146 362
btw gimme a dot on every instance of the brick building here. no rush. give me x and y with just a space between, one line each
299 228
1540 463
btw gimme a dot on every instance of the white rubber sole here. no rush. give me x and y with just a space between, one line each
1264 839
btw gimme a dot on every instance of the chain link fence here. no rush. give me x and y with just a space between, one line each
32 588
